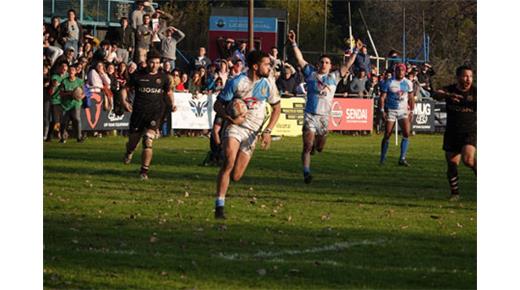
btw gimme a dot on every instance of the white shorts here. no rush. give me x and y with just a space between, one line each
315 123
246 137
397 114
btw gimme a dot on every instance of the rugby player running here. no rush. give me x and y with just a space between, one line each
460 137
255 87
153 93
397 103
321 86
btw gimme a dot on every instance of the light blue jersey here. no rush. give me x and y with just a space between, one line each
397 93
320 90
255 96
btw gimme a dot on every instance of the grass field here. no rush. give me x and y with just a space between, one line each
358 225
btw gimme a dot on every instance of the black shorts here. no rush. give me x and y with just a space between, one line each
141 121
453 142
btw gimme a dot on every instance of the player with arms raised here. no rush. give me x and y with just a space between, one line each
254 88
321 86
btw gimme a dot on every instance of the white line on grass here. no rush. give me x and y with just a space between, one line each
269 254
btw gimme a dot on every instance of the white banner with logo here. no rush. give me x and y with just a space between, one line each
193 112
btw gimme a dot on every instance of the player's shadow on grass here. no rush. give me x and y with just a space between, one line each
87 252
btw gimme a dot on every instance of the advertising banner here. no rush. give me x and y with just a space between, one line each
424 116
94 118
351 114
193 112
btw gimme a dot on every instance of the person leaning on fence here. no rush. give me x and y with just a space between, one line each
71 94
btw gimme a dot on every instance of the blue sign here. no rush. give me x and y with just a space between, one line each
239 23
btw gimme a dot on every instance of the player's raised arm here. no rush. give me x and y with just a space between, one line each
440 95
353 55
297 52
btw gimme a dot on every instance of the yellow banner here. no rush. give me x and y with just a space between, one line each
291 118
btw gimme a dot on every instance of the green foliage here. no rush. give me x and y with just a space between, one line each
358 225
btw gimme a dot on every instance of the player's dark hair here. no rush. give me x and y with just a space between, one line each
153 54
326 56
462 68
255 57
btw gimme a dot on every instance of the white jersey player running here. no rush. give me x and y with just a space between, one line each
256 87
321 86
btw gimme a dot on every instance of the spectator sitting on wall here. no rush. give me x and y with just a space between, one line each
169 44
288 81
201 60
211 77
359 83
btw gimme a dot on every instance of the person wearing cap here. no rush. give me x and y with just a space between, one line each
396 103
169 40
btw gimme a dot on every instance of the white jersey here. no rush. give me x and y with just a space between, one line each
255 94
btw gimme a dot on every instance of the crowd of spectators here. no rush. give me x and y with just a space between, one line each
104 66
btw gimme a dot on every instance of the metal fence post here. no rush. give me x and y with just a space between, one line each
81 10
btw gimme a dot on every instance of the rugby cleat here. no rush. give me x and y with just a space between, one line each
128 158
219 213
454 197
403 162
143 176
307 178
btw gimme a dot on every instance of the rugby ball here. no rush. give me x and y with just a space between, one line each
237 107
78 94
